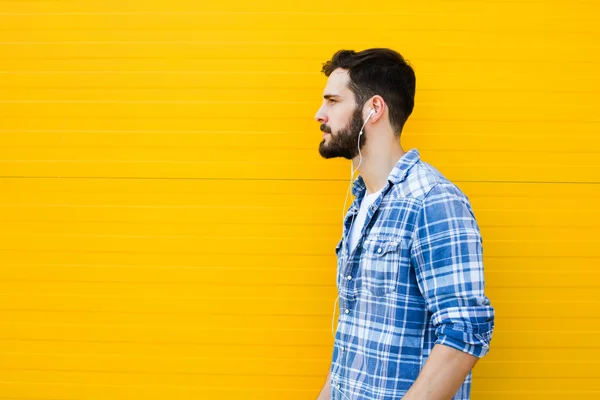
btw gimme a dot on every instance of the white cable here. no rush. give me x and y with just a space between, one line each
359 164
352 172
333 317
342 393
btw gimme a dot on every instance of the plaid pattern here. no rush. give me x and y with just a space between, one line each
414 280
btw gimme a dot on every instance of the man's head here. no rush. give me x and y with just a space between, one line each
374 79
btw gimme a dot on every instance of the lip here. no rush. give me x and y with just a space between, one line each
325 134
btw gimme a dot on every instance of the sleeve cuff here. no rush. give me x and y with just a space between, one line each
471 335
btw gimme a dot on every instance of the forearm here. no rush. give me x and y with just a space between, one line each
443 373
326 391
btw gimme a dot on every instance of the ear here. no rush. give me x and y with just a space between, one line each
377 104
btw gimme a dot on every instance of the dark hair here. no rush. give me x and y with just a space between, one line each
381 72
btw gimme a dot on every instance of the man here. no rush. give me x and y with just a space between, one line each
414 318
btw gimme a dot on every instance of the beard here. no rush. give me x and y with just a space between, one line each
345 142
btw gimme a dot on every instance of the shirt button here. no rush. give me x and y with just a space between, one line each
379 250
349 277
347 311
339 387
343 349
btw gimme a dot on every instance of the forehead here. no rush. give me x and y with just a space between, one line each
337 84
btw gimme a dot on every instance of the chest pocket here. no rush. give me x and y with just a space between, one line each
380 265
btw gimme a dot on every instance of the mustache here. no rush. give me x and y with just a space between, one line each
325 128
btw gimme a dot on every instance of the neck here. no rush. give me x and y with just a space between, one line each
378 160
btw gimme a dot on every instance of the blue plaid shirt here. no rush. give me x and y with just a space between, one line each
415 279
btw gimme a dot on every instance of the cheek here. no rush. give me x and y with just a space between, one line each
337 120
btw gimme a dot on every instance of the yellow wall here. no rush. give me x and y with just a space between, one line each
168 226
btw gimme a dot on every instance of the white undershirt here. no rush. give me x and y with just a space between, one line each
359 220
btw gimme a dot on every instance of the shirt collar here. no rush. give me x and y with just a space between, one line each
397 174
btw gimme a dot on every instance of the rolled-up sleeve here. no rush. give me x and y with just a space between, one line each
447 255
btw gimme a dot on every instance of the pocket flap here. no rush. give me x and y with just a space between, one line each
382 247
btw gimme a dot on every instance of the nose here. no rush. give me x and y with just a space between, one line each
320 116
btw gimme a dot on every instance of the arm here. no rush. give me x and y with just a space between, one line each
326 391
444 371
447 256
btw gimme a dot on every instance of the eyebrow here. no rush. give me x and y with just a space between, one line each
330 96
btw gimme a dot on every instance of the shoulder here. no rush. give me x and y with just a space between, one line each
425 183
